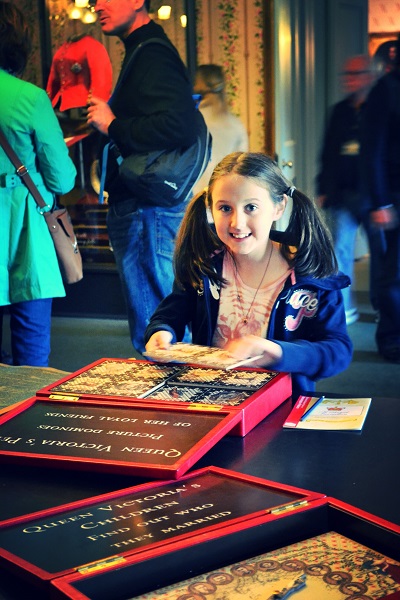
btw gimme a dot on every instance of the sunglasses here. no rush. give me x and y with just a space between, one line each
350 73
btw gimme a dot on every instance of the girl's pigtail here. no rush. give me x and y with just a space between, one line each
195 244
314 254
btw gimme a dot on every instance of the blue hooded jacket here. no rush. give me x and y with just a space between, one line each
307 320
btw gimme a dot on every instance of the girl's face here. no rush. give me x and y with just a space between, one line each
243 214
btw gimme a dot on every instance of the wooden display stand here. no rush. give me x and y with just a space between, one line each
254 393
140 539
111 437
114 416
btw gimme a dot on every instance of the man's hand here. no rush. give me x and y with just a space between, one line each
100 114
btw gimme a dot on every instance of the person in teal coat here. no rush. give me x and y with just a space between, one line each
29 273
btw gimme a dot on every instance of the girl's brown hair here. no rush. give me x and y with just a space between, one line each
306 243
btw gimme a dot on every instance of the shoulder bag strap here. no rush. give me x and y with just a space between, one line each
23 173
129 63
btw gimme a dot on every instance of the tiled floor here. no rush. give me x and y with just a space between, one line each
368 374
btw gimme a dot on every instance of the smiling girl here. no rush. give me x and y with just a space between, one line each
243 286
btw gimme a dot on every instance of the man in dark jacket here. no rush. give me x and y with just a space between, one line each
380 173
338 181
151 109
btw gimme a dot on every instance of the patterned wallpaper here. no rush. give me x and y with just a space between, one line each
172 26
384 16
230 33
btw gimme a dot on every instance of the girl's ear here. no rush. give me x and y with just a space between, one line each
280 208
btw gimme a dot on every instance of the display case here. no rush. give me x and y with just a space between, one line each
325 549
89 218
90 228
221 530
254 393
110 530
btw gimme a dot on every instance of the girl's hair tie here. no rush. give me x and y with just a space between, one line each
290 190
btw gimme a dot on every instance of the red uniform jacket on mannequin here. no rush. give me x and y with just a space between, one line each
80 67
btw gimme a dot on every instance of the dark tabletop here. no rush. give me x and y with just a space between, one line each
360 468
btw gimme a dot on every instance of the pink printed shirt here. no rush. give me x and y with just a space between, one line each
239 303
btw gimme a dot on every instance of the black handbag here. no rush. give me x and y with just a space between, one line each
163 176
58 221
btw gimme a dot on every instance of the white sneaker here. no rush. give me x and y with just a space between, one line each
352 315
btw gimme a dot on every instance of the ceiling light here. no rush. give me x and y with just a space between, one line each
75 13
164 12
89 17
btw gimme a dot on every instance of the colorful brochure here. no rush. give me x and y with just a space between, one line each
328 413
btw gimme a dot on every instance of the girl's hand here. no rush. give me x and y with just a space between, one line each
161 340
252 345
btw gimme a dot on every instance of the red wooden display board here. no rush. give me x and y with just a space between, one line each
132 541
110 436
254 393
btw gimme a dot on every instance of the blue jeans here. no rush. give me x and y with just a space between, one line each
30 324
344 225
388 283
143 244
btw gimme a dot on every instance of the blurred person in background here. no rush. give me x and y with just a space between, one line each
380 174
227 130
338 181
29 272
384 58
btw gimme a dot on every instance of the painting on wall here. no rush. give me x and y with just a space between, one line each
383 27
383 48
